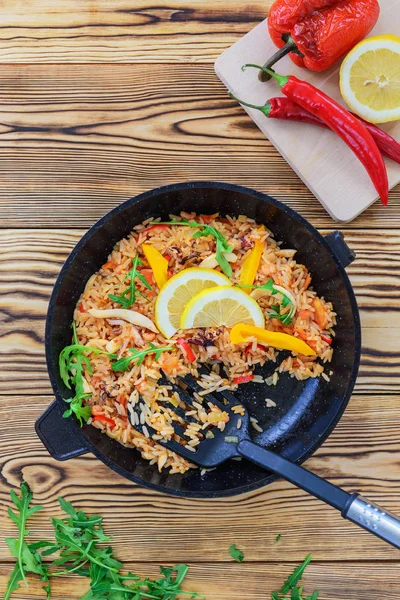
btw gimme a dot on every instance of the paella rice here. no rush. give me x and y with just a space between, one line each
141 394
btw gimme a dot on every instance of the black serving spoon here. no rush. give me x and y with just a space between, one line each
235 441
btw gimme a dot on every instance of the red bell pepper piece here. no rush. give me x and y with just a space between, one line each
326 339
322 31
105 420
250 346
243 379
186 349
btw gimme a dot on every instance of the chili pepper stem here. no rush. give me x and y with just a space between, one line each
265 109
280 79
284 51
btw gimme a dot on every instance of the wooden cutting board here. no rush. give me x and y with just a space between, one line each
325 164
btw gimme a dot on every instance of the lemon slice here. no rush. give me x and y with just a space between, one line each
221 306
370 79
178 291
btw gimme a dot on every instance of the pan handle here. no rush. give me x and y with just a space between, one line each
57 434
354 507
340 249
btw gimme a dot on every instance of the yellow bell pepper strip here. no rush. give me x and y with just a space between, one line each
251 263
241 333
158 264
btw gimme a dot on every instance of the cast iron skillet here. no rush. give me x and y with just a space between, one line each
306 412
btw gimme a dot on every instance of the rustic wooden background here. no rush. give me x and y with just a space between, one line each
100 100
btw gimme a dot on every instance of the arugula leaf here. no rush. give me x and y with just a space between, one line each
128 296
222 245
236 553
26 561
290 585
314 596
28 558
123 364
296 576
72 361
13 581
269 286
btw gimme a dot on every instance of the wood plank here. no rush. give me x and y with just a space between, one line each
361 455
351 581
122 31
79 139
31 259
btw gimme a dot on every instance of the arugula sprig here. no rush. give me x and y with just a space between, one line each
72 362
84 550
28 558
290 585
128 296
285 317
123 364
221 243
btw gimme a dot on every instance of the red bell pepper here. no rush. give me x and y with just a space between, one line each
317 33
186 349
250 347
105 420
243 379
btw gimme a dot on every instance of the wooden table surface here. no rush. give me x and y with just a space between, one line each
100 100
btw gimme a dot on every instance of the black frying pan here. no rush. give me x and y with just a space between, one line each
306 411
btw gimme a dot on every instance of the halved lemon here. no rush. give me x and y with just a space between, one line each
178 291
370 79
221 306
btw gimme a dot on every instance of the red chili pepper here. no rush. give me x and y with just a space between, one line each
342 122
250 347
243 379
317 33
326 339
287 110
186 349
155 228
105 420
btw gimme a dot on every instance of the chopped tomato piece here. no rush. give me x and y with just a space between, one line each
148 275
320 313
307 281
208 218
155 229
305 314
109 265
